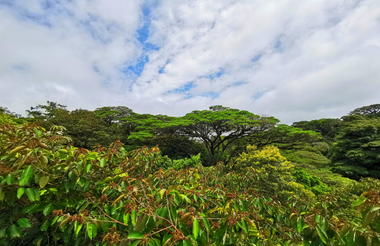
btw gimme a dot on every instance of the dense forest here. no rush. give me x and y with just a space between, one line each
221 176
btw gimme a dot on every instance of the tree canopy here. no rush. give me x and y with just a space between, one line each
219 127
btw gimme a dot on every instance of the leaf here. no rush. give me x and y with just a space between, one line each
91 230
18 148
88 168
135 243
44 160
43 181
166 238
2 195
32 194
154 242
9 179
126 218
359 201
185 198
135 235
45 225
26 176
195 228
102 162
162 192
322 234
77 228
133 217
24 223
2 233
206 224
47 210
14 231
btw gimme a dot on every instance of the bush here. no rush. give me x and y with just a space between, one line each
311 182
193 161
307 157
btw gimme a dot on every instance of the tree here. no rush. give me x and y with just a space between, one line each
358 148
285 137
370 111
45 112
218 128
114 114
328 128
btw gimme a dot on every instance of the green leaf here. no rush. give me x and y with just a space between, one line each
135 235
45 225
88 168
32 194
14 231
185 198
154 242
3 233
20 192
126 218
135 243
2 194
91 230
195 228
359 201
26 176
9 179
77 228
322 234
43 181
102 162
166 238
134 217
24 223
47 210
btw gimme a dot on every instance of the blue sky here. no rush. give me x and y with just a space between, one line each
296 60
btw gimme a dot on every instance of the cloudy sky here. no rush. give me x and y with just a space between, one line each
296 60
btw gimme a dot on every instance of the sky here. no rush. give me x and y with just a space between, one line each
295 60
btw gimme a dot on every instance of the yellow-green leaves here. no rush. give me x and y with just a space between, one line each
43 181
195 228
135 235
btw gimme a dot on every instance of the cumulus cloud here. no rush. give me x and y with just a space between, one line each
294 60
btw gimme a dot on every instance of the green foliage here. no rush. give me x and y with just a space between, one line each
71 196
307 157
218 128
367 111
328 128
358 149
310 181
193 161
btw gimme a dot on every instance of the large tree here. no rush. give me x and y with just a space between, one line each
218 128
370 110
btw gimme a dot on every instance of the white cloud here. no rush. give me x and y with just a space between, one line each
295 60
